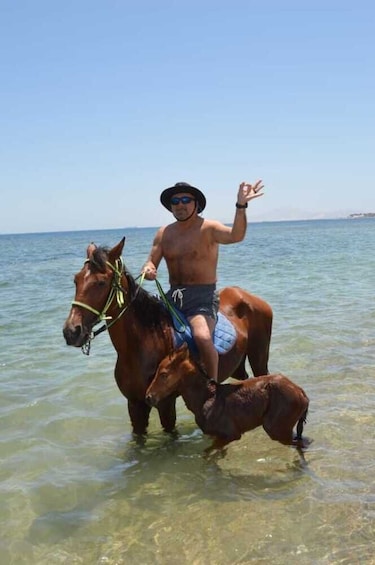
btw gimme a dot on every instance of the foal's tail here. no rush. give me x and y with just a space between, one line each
300 424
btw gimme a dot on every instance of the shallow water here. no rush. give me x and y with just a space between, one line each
77 488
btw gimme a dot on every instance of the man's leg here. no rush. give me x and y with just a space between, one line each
203 328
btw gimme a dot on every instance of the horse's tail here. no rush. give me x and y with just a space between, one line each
300 424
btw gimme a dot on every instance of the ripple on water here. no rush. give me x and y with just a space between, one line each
77 488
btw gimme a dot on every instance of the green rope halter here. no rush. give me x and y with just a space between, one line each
116 292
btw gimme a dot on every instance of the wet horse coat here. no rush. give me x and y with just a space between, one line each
226 411
141 330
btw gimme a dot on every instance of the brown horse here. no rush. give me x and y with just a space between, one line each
141 330
226 411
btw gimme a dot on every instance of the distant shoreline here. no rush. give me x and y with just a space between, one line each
362 215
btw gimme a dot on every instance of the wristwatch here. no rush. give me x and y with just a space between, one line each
241 205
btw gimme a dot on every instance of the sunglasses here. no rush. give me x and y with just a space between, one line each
183 199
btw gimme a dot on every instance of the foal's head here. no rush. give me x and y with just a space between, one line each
171 371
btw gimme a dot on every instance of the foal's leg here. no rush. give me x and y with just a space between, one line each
280 432
279 425
139 413
218 445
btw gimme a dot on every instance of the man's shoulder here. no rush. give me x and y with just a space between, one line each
169 227
168 231
214 224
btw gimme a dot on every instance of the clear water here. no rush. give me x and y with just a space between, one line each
75 487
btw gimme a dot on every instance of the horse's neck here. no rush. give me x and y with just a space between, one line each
133 340
195 388
122 331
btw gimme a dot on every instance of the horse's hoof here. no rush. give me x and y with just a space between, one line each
139 438
173 433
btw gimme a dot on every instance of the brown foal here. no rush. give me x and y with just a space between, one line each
226 411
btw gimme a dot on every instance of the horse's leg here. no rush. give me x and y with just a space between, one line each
258 342
139 413
167 414
258 349
240 372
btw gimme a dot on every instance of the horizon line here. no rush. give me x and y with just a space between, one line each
254 221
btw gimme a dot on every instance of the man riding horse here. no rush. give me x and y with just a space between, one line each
190 248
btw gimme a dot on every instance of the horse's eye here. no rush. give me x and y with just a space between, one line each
101 283
164 375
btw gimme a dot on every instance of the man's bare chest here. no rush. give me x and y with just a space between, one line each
189 244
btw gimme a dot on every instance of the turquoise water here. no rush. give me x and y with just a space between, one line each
75 486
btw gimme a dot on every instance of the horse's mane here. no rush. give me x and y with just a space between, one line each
98 259
149 310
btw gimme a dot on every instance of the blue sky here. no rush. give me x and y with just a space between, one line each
104 104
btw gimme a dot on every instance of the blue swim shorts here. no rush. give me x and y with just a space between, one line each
195 299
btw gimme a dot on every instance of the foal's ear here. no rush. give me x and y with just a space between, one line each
116 251
184 350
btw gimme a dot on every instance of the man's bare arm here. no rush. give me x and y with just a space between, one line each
156 254
246 192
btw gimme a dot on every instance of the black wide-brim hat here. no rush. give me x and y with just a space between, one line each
166 195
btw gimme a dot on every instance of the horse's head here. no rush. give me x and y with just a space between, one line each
98 290
171 370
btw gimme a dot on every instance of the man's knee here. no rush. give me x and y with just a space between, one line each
204 339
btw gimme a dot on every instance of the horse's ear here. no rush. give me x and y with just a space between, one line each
116 251
90 249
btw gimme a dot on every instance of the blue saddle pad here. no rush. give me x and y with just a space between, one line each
224 335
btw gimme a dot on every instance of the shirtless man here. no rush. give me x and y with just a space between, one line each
190 248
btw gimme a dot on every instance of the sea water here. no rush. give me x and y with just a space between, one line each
76 487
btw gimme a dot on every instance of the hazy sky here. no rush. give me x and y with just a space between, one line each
105 103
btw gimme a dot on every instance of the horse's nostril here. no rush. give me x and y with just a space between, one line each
72 334
77 331
149 399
